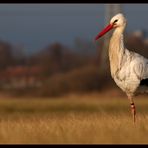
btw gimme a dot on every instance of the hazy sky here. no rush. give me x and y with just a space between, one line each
37 25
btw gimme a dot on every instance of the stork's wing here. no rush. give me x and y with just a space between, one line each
144 82
140 67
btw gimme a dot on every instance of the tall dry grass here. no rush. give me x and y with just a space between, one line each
72 121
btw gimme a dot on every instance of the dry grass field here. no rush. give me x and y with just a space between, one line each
79 119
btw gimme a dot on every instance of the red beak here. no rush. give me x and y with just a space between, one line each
105 30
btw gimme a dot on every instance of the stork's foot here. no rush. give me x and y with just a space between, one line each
133 110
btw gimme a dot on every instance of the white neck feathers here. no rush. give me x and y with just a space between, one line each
116 50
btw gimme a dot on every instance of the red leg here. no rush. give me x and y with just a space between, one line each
133 110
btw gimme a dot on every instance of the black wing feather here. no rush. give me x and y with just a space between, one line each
144 82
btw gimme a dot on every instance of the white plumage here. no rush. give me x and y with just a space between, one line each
128 69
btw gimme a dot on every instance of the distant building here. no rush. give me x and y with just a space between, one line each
21 77
139 33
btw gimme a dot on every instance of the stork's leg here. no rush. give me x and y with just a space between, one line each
133 108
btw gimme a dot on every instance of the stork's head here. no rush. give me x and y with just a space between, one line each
115 22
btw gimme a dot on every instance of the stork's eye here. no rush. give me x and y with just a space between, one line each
115 21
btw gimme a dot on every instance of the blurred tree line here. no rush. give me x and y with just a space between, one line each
57 69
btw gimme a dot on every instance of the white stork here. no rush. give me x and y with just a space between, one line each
128 69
